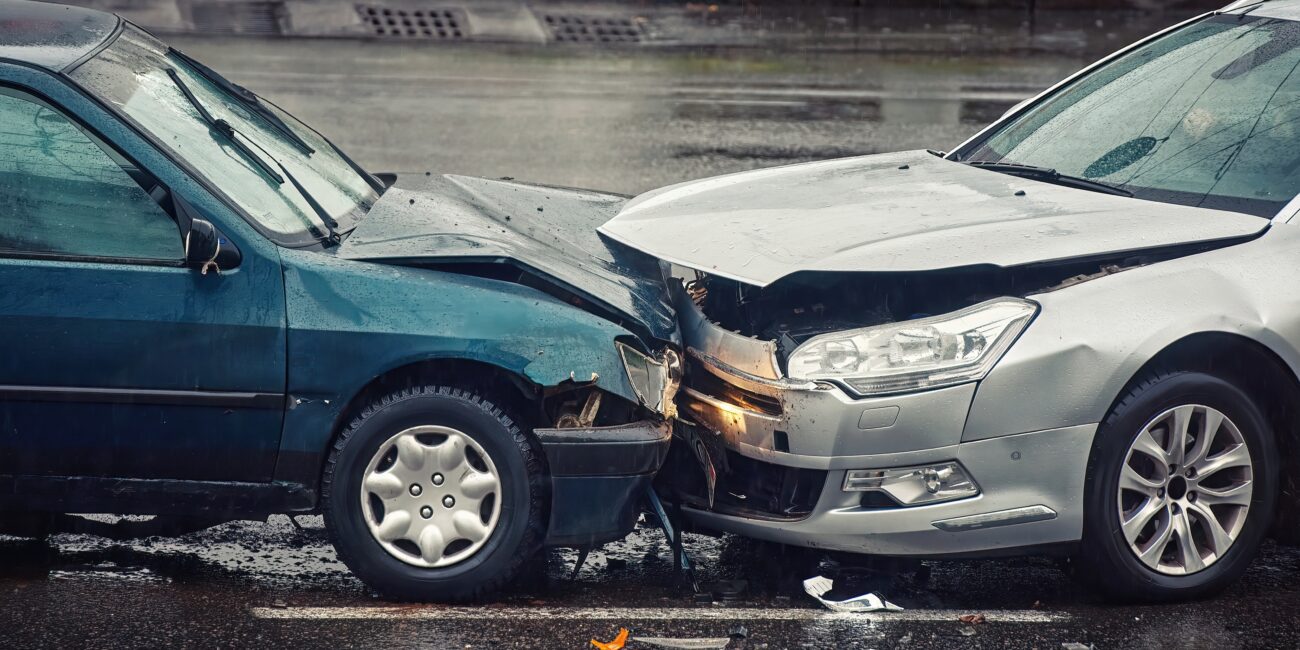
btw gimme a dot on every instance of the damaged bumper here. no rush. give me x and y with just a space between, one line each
807 463
598 475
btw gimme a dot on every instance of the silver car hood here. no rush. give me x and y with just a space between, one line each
908 211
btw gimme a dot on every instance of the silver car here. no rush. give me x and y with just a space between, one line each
1078 331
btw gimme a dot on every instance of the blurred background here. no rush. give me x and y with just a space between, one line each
630 95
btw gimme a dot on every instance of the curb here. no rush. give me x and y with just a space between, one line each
794 26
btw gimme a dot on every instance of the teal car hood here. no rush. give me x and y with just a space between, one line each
537 235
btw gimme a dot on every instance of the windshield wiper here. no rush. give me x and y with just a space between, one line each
246 97
224 128
1048 175
230 133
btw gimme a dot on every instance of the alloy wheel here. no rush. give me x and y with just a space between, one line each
1185 489
431 496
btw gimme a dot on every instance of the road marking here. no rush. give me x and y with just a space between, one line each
436 613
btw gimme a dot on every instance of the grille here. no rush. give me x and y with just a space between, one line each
745 487
571 28
425 24
709 384
253 18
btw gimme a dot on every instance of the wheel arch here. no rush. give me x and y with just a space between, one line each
1266 378
521 397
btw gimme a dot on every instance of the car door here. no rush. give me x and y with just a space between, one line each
116 359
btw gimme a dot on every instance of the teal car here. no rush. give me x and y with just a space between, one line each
210 313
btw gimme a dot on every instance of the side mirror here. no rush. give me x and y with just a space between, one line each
205 247
202 246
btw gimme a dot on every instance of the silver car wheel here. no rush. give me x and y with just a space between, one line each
431 496
1184 489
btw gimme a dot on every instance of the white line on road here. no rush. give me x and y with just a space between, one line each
434 613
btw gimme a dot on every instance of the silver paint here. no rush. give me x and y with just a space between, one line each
1050 473
868 214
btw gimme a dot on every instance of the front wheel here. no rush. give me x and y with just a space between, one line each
434 493
1181 487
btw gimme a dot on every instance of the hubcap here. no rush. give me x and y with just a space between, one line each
422 467
1184 489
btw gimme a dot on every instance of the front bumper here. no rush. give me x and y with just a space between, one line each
1034 481
598 475
744 418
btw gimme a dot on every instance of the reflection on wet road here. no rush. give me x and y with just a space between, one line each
622 120
274 583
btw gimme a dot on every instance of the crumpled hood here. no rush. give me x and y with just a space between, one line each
546 232
909 211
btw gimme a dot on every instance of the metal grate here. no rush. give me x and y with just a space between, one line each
571 28
436 24
256 18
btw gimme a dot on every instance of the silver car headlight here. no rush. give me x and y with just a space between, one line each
910 355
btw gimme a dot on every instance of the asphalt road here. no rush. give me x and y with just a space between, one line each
269 585
623 121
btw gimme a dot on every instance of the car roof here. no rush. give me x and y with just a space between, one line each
50 35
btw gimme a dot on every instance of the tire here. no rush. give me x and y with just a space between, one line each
1108 560
398 569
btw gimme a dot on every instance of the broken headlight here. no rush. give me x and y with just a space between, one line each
655 381
924 353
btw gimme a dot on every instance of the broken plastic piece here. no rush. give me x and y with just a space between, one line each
819 586
673 534
582 559
617 644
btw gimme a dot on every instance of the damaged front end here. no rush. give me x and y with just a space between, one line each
790 389
604 449
602 392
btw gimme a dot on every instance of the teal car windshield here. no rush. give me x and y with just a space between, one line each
1207 116
133 75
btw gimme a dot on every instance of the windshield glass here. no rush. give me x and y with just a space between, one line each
132 74
1208 116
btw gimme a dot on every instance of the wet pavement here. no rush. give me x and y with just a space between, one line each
624 121
274 584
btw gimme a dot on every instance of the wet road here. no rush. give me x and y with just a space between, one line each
622 121
245 584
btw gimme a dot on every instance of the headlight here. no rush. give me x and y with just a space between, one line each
925 353
655 381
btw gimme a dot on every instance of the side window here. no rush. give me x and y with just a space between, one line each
62 191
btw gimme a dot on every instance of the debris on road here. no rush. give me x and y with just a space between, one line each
1078 646
819 586
617 644
972 619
